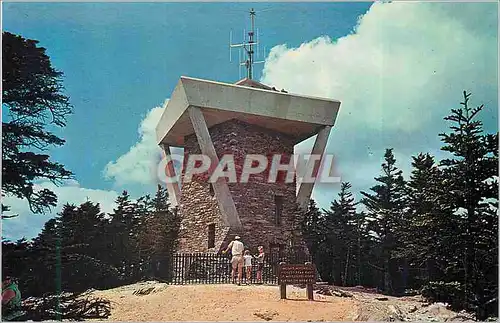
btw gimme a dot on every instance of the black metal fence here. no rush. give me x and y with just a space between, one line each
210 268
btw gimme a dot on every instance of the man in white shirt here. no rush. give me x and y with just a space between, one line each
237 249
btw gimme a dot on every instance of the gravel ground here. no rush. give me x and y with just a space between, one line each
223 303
153 301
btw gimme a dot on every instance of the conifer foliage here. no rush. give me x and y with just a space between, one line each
32 95
83 248
437 231
471 176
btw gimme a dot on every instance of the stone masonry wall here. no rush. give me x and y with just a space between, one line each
254 200
198 209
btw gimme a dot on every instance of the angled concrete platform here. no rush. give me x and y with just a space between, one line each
295 115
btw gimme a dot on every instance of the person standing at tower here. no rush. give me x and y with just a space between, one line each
237 248
260 264
248 266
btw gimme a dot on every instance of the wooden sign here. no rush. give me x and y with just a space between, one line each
289 274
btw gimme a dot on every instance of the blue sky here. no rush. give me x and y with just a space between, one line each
396 77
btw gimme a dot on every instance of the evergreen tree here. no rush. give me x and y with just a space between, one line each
345 239
159 233
473 191
15 257
71 253
42 261
46 238
431 228
142 211
386 208
313 232
122 234
312 228
32 96
83 256
341 242
82 248
91 222
363 273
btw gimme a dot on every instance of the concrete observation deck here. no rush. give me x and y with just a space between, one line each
295 115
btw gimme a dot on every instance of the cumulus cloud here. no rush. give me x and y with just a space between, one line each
400 71
139 164
29 225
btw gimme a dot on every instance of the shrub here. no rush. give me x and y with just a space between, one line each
451 293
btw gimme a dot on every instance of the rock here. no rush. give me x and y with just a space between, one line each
438 309
332 291
462 316
394 309
324 291
381 298
459 318
413 309
266 315
146 290
342 293
143 291
396 313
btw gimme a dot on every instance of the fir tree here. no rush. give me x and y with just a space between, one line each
341 242
430 232
312 228
159 233
386 207
473 191
122 225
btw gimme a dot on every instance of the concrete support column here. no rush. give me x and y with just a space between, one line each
305 189
174 191
224 199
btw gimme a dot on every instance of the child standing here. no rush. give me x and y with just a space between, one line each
260 264
248 266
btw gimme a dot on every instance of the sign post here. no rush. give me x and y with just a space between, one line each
289 274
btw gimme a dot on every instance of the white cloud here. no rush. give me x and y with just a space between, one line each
29 225
397 75
389 73
139 164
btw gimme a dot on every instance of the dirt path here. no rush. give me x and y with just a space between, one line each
225 303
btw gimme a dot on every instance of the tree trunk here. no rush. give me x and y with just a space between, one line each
344 282
359 257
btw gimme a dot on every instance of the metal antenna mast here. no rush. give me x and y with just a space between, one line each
250 50
247 46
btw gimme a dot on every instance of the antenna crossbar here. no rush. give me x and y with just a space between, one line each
248 47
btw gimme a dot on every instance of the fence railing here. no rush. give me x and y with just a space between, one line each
211 268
